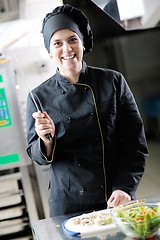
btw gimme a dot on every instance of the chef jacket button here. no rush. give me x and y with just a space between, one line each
79 164
63 92
97 139
102 186
92 113
81 192
69 119
85 88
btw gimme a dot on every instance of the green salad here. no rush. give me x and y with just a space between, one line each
143 219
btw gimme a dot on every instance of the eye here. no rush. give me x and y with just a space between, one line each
56 44
73 40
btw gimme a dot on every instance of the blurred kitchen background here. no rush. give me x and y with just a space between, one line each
126 38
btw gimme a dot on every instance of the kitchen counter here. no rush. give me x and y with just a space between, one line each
51 229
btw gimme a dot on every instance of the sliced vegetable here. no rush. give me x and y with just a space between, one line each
143 219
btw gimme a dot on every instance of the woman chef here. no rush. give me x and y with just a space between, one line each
98 150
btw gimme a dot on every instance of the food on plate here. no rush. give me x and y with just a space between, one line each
94 218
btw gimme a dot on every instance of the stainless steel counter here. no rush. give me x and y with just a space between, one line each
51 229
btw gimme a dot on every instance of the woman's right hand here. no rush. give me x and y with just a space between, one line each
43 125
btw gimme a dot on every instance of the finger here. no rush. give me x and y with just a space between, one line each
43 121
113 202
109 202
44 132
50 120
38 115
43 124
47 116
40 125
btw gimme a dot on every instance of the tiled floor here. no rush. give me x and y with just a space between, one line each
150 183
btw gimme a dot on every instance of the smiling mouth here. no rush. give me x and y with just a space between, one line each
69 57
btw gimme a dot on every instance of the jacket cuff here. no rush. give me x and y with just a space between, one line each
41 147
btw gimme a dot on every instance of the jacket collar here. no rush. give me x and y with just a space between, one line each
64 81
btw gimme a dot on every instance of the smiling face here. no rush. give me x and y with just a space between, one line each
66 48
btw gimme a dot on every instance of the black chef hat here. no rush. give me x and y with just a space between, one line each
67 16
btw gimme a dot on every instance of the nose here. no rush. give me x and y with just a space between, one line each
67 47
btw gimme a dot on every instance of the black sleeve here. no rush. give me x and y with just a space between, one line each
133 146
34 143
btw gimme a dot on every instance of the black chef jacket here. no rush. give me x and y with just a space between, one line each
100 144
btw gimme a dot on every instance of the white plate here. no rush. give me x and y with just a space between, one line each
78 229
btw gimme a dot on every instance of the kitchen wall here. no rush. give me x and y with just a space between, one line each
149 185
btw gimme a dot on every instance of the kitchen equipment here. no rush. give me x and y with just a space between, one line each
13 141
12 212
10 198
8 185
